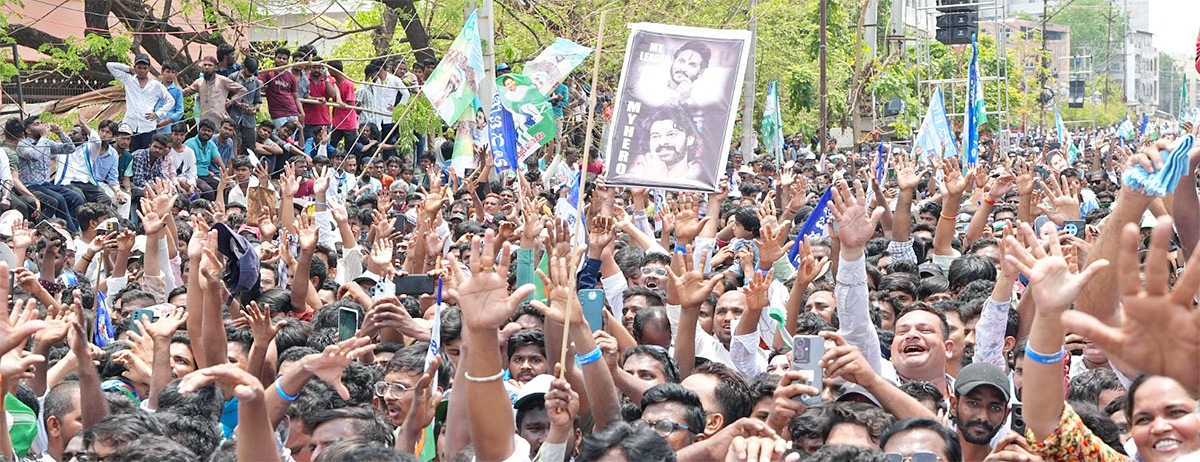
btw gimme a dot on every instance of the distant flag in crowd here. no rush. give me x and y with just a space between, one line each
772 122
565 209
103 332
1064 137
935 134
1145 125
452 86
879 165
815 227
1125 129
976 113
1183 98
554 63
503 136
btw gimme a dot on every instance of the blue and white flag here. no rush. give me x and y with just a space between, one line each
503 136
565 208
815 227
102 334
1145 125
1064 138
935 134
1125 129
976 113
880 165
1164 180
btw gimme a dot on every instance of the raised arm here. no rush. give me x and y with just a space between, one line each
254 431
954 183
856 226
996 189
687 288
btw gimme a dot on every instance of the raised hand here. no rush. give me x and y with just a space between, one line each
908 175
560 287
246 387
1000 186
261 326
1054 286
288 183
846 361
23 235
1025 182
756 290
1155 330
330 363
786 404
810 267
562 403
15 328
58 322
306 230
600 234
954 182
855 225
688 222
686 285
165 326
381 256
1064 197
322 181
774 244
483 296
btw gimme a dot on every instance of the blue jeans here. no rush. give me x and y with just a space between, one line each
64 201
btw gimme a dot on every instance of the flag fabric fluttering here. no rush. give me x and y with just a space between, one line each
554 63
451 87
772 123
1145 125
102 333
1125 129
566 209
532 114
1064 137
934 134
976 112
815 227
503 137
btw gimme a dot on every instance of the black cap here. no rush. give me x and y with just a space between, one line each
977 374
141 58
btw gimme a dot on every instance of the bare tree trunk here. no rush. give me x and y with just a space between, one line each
414 30
382 37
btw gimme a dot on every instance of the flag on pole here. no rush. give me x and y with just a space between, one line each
565 209
553 64
815 227
976 113
879 165
1183 100
772 122
102 333
1145 125
452 86
503 137
532 114
1064 138
935 134
1125 129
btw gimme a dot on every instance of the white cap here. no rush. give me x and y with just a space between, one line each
535 388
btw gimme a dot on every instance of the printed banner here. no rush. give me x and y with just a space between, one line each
552 65
934 134
675 107
532 115
452 86
502 137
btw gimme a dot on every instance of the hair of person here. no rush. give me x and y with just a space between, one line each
810 323
630 259
153 448
669 366
932 285
527 337
953 447
877 246
206 123
808 424
524 309
1086 387
164 140
653 316
292 333
120 429
641 444
762 386
903 267
871 417
746 217
93 211
970 267
60 401
201 434
898 282
977 290
318 270
700 49
206 402
358 448
653 297
14 128
326 317
657 257
931 207
982 243
733 395
844 452
1117 405
676 115
366 423
676 393
1099 423
922 306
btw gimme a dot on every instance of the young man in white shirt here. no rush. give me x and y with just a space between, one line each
183 159
142 95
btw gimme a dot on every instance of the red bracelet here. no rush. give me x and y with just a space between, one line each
989 201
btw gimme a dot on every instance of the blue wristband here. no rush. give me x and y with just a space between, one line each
588 358
322 204
284 395
681 249
1044 358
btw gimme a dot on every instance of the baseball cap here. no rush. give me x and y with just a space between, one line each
849 390
978 374
533 389
141 58
125 128
7 220
367 277
241 264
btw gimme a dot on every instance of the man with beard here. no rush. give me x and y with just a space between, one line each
670 141
215 92
979 407
77 169
690 61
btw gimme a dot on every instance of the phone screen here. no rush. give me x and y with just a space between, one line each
806 356
415 284
347 323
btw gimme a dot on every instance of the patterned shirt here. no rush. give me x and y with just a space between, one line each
1072 441
37 158
146 168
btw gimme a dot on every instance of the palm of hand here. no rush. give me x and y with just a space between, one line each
907 178
22 239
1149 347
687 224
1054 285
308 238
855 229
483 300
690 289
152 223
55 330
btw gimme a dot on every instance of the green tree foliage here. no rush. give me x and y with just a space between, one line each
1097 27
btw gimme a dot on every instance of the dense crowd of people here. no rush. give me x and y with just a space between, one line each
294 282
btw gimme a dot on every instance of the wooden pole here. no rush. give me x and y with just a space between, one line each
587 149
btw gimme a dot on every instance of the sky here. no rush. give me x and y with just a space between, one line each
1175 33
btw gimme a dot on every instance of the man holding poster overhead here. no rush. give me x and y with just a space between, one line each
672 118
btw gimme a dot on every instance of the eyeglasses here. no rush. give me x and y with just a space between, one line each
393 389
663 427
660 272
82 456
915 457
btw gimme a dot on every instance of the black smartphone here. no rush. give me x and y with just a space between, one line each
348 321
416 284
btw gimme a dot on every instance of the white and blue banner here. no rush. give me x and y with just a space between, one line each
935 134
503 136
815 227
102 333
